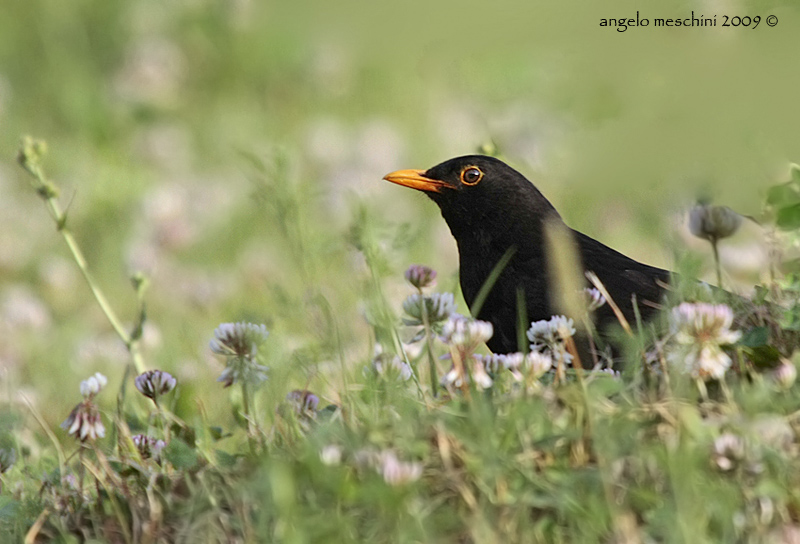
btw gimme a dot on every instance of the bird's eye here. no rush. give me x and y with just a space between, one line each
471 175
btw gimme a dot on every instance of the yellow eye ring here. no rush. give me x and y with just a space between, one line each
471 175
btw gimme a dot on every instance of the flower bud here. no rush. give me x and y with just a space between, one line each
713 222
420 276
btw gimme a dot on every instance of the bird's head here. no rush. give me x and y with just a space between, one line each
478 190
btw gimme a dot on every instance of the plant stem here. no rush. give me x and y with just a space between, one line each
247 416
29 158
716 262
434 376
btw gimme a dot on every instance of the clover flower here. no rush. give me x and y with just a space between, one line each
148 446
420 276
594 299
389 365
238 339
699 330
480 377
437 306
303 402
532 365
239 343
458 377
92 385
537 364
549 336
154 383
465 333
492 363
84 422
396 472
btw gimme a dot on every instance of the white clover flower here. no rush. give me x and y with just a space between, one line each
465 333
548 332
537 364
154 383
702 361
699 329
453 378
243 371
704 322
594 298
84 422
92 386
457 377
387 365
496 361
238 339
480 377
239 343
438 307
549 335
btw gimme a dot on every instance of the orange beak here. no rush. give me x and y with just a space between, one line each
416 180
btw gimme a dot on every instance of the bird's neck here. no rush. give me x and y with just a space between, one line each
484 243
490 235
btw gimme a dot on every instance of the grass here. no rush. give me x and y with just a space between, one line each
377 454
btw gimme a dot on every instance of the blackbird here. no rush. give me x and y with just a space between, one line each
493 211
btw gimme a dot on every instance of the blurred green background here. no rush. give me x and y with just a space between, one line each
234 152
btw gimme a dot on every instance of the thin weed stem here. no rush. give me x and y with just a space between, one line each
29 158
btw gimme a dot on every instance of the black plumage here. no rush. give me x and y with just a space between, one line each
490 208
